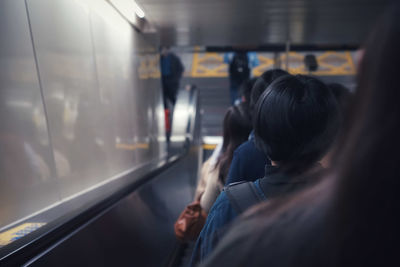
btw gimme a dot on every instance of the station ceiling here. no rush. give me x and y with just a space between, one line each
262 22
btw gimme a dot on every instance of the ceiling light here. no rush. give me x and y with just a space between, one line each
128 8
139 12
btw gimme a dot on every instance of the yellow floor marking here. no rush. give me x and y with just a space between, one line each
212 65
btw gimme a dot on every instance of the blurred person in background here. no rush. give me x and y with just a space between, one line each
240 66
171 74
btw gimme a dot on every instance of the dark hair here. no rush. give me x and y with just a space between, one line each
296 120
261 84
236 130
246 89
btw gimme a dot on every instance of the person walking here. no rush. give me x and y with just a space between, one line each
240 65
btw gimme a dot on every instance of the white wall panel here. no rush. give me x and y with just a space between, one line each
100 115
27 178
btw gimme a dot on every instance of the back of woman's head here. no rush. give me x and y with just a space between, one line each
261 84
296 120
236 130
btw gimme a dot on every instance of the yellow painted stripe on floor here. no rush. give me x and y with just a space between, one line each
331 63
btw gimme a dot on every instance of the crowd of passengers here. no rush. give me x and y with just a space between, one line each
308 173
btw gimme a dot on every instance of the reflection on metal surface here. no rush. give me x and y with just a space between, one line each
91 96
68 75
184 117
96 97
330 63
27 175
149 67
18 232
132 146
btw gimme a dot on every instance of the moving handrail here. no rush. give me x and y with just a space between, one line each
184 116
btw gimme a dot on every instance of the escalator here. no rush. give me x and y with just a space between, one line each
132 226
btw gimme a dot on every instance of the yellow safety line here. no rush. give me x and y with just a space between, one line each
209 146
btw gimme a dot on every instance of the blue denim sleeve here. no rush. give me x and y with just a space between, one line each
234 170
221 214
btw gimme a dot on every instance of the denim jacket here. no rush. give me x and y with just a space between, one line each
222 214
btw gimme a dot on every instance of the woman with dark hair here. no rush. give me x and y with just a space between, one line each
236 129
351 217
295 123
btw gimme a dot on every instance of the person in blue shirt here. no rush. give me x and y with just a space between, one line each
171 73
249 161
295 122
240 65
